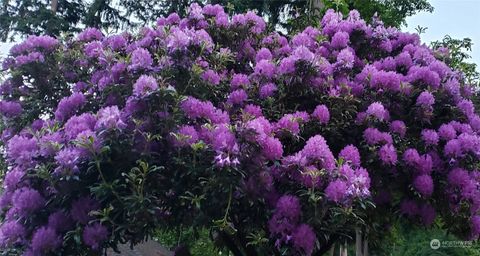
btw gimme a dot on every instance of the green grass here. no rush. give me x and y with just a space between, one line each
404 240
199 242
412 241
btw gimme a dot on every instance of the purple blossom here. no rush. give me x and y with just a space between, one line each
26 201
94 235
10 109
398 127
424 185
116 42
388 154
144 85
109 118
50 143
336 191
303 53
425 164
81 209
373 136
78 124
222 139
267 90
212 10
467 107
59 221
253 110
447 132
211 77
378 111
289 123
458 177
67 160
141 59
425 99
89 143
13 179
430 137
453 148
93 49
45 240
22 150
351 154
68 106
29 58
358 182
265 68
263 54
11 232
177 40
237 97
423 75
345 58
272 148
316 148
90 34
261 126
34 43
322 114
288 207
195 108
340 40
385 80
239 80
187 135
304 239
404 60
287 65
411 156
440 68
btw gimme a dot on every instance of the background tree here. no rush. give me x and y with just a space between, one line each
24 17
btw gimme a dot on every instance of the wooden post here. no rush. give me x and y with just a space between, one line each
54 6
343 249
332 251
365 246
358 242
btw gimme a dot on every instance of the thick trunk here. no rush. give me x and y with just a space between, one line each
327 246
343 249
54 6
365 246
316 6
358 242
230 244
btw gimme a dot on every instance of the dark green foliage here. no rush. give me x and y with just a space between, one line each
24 17
459 56
391 12
406 240
198 241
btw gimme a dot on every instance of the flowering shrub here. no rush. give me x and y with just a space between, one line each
277 145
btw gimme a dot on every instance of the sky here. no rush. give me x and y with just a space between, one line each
457 18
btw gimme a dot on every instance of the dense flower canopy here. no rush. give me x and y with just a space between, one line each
212 121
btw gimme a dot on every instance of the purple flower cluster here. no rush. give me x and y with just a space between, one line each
68 106
144 85
265 115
